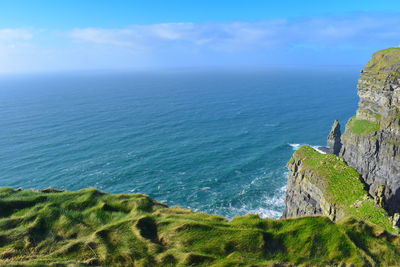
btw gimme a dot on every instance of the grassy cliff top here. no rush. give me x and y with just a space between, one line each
386 60
362 127
88 227
342 186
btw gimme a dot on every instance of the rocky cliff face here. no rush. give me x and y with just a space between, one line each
334 142
306 192
360 177
371 142
323 184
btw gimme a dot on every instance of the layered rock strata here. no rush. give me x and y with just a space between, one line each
323 184
360 177
371 141
334 142
306 192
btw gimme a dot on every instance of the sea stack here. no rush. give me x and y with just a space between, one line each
360 176
333 142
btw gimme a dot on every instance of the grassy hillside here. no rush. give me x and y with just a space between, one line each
89 227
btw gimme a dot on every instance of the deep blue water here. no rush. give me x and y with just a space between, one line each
214 141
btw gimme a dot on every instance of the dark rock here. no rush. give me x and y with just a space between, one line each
333 142
49 190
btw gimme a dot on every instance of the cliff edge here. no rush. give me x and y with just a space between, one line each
355 188
323 184
360 176
371 141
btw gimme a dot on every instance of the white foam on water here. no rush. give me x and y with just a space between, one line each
273 204
318 150
205 188
277 199
297 146
264 213
271 124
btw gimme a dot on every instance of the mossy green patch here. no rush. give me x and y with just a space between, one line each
362 127
343 187
89 227
385 61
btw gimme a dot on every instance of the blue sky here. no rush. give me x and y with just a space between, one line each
87 35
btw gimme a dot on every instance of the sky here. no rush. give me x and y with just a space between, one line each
48 35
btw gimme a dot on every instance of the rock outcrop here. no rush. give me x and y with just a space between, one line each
323 184
334 143
360 175
305 193
371 141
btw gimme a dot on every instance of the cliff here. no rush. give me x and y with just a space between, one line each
371 141
91 228
360 178
355 189
333 141
322 184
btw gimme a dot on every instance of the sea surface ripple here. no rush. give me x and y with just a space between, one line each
212 141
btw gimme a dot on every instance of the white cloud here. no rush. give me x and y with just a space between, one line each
236 36
13 42
190 34
12 35
326 40
118 37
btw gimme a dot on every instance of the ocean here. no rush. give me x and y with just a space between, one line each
215 141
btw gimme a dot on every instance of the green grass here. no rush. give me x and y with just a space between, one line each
362 127
342 186
88 227
385 61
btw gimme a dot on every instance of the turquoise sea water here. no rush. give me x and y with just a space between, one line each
213 141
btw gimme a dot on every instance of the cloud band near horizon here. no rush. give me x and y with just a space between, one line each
329 40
